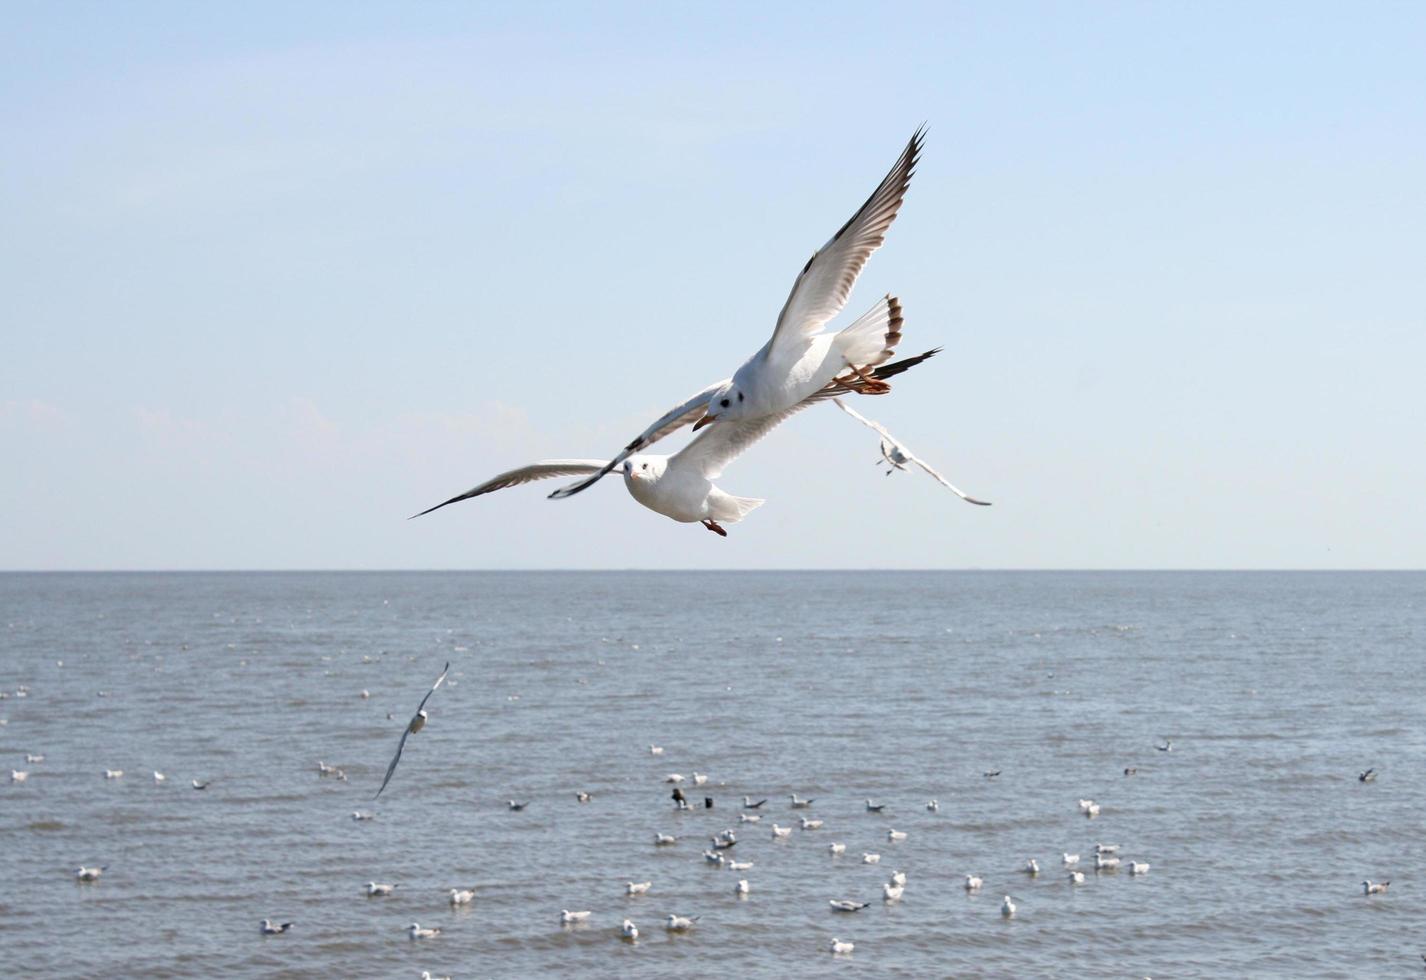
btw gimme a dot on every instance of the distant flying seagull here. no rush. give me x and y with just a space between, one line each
418 722
680 486
269 928
897 456
799 359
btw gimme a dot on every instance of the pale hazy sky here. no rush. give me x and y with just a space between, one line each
276 276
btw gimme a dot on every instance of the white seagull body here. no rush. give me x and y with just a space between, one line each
375 890
1071 859
662 840
270 928
418 722
113 773
897 456
811 824
680 486
842 905
637 887
1375 887
159 777
741 888
868 858
1138 867
739 865
840 948
82 873
896 836
628 930
1076 877
780 831
414 931
1106 862
891 893
1007 907
799 359
18 775
679 923
800 804
1032 867
569 918
462 896
898 877
973 882
933 805
837 850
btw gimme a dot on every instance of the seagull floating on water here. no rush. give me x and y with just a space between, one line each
868 858
739 865
874 807
680 923
569 918
517 806
1375 888
699 778
1032 867
113 773
1076 877
933 805
374 890
840 948
89 874
837 849
741 888
1106 848
202 785
748 803
655 750
664 839
628 930
800 804
1007 907
414 932
462 896
843 905
896 835
1138 867
749 818
1166 747
1367 776
270 928
637 887
674 777
991 773
360 815
35 759
159 777
712 857
973 882
898 877
1106 862
1071 859
811 824
18 775
781 831
891 893
582 797
418 722
895 454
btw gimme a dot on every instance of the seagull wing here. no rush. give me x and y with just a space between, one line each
878 427
407 731
825 283
686 413
542 470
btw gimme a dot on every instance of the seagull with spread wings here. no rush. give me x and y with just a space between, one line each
418 722
895 454
799 359
681 486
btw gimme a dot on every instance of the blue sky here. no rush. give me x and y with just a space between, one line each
277 276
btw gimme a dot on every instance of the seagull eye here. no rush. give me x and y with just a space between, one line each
740 396
643 466
724 403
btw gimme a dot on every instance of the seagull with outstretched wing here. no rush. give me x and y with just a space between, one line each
896 455
418 722
799 358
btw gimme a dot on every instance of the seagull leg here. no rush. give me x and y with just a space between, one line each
870 385
715 528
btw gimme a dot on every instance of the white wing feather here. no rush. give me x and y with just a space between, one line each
542 470
825 283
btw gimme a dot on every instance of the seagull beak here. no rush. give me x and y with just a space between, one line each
704 421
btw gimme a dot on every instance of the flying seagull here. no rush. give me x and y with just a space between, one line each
680 486
799 359
418 722
895 454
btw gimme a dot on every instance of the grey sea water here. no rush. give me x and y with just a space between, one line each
1276 690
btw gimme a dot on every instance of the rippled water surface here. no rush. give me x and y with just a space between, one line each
1276 690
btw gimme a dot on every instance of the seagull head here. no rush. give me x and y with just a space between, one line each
726 404
644 467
